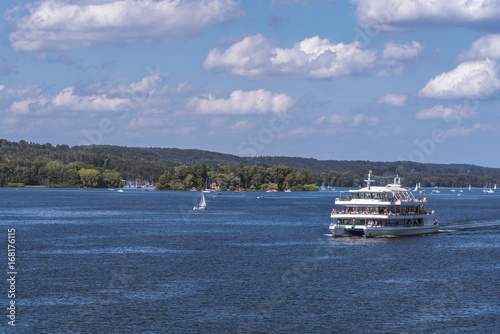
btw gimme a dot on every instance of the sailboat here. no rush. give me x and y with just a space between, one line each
202 206
488 191
206 189
121 187
469 187
239 187
288 190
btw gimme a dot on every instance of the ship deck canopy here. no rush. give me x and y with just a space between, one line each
390 191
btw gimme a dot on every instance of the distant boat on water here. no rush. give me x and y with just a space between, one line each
489 191
202 206
206 189
239 187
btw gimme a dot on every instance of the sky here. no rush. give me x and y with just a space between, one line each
384 80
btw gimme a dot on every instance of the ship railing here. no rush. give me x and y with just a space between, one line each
383 224
388 214
396 199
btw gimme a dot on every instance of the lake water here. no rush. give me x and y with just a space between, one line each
98 261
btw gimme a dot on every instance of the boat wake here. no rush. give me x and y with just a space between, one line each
474 226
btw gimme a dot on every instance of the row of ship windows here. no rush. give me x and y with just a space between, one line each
381 222
386 210
370 195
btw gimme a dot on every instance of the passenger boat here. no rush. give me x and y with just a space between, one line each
377 211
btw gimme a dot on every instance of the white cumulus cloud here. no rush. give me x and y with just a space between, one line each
442 112
144 86
473 79
397 57
485 47
240 126
397 100
394 15
57 25
402 51
341 120
311 58
462 131
68 100
289 2
240 102
146 96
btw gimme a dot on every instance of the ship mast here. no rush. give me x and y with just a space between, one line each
369 181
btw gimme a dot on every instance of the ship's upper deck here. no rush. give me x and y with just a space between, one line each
391 194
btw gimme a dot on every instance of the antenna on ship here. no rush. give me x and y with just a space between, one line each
369 180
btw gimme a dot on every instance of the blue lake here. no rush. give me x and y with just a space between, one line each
98 261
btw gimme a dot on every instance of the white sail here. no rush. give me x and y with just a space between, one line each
202 201
469 187
495 187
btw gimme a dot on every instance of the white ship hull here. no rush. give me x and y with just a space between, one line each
373 231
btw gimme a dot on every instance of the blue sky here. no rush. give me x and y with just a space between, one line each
372 80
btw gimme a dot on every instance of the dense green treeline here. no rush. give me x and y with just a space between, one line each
233 178
20 172
34 164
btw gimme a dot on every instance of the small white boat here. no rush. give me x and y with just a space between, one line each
202 206
120 190
376 211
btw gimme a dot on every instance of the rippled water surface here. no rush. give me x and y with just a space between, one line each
98 261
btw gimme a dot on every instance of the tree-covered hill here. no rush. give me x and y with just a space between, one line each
192 157
61 165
